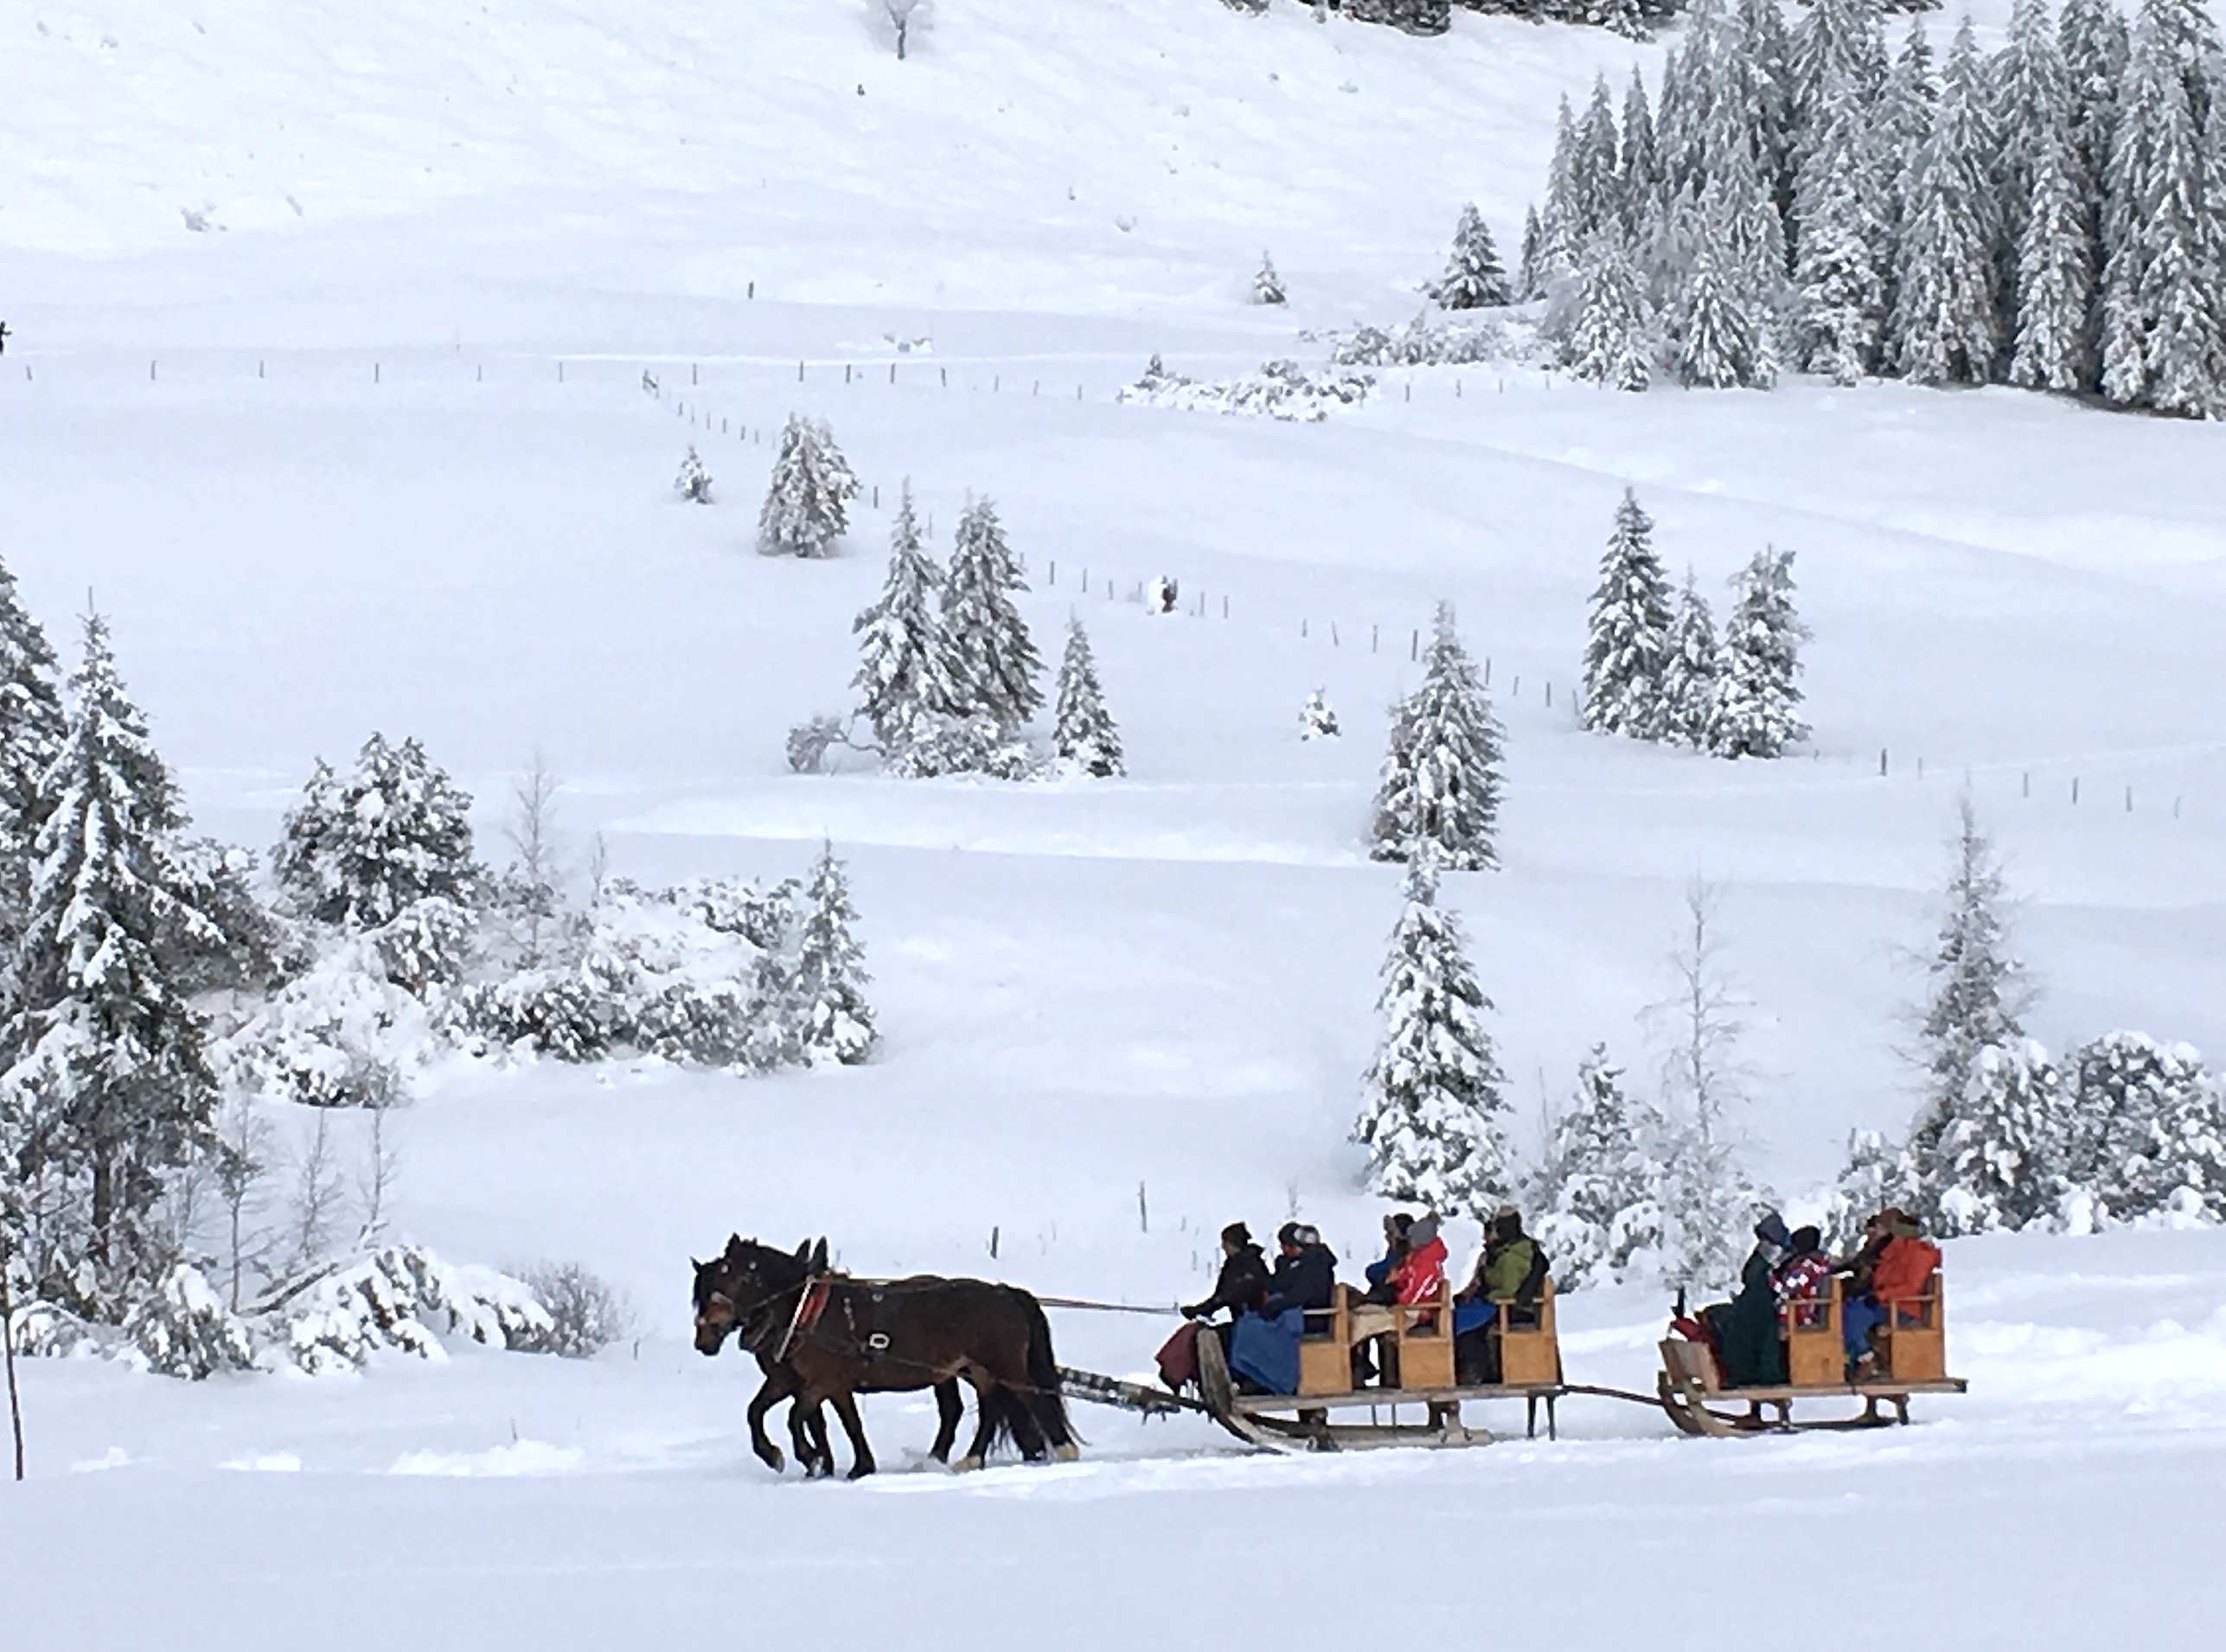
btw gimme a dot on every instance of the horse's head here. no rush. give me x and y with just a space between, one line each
742 1279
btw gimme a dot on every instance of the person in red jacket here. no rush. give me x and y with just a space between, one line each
1903 1265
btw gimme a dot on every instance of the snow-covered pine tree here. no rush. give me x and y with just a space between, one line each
1904 121
399 832
1441 784
1876 1175
108 1076
1531 279
1607 343
1947 326
808 505
1641 177
1082 731
1758 696
830 978
1596 172
2164 340
2030 109
1598 1211
904 676
2055 275
1561 218
1764 60
1317 721
1721 328
2152 1130
1690 667
694 481
1979 992
31 729
1677 124
992 660
2002 1162
1473 278
1628 632
1834 39
1267 286
1433 1119
1839 274
2093 41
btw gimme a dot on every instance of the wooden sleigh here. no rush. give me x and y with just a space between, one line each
1912 1346
1414 1352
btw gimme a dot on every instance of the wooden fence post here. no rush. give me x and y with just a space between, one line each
1882 763
1143 1210
2074 788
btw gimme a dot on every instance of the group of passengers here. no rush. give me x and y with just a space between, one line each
1267 1307
1787 1283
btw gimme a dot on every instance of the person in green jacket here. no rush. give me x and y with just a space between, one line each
1512 1270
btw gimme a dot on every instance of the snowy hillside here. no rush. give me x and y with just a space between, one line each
328 332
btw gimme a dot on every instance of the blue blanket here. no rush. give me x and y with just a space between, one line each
1266 1351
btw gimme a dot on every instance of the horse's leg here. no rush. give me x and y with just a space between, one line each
988 1398
778 1384
807 1432
952 1410
862 1455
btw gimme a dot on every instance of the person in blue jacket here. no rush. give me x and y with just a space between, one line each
1264 1354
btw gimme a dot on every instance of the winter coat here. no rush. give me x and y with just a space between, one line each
1420 1271
1306 1280
1904 1268
1803 1278
1241 1284
1746 1331
1507 1266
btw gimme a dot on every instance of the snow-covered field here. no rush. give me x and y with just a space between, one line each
317 462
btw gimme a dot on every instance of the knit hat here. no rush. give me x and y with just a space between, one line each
1288 1235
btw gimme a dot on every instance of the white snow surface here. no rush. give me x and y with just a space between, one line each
320 463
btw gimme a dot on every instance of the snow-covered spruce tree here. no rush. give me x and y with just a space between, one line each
1758 696
1267 286
1598 1209
1561 218
694 481
2031 110
1839 274
1628 631
2002 1162
1690 667
1433 1121
31 726
1083 731
1641 177
836 1024
2092 38
1947 326
808 505
1721 328
1875 1174
107 1068
2162 330
1317 721
993 662
1596 169
1977 996
182 1328
1473 278
1902 125
1606 341
1763 62
1678 109
2055 275
1441 784
1833 40
1530 279
2152 1131
904 676
398 833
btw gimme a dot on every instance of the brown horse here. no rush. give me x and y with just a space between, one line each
829 1338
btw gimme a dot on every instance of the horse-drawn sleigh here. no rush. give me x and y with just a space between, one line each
821 1338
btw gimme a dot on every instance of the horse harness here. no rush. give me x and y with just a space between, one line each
812 1300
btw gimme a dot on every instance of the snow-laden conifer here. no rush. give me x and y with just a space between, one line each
1628 627
398 832
1082 731
808 503
108 1077
1267 286
1721 327
1433 1120
1440 790
1473 278
1946 324
1530 279
1839 274
1607 341
694 481
1758 698
2055 275
2094 42
1876 1174
1597 1206
1691 667
2001 1162
1641 176
904 677
1596 166
836 1022
1842 40
31 728
1317 720
992 660
2032 110
2152 1130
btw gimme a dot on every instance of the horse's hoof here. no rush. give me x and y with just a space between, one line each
775 1461
1068 1453
862 1470
966 1465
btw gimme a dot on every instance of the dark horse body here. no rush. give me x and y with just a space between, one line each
822 1339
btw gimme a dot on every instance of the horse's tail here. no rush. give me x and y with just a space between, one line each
1046 1398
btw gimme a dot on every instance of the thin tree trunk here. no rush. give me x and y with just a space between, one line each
8 1342
104 1209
